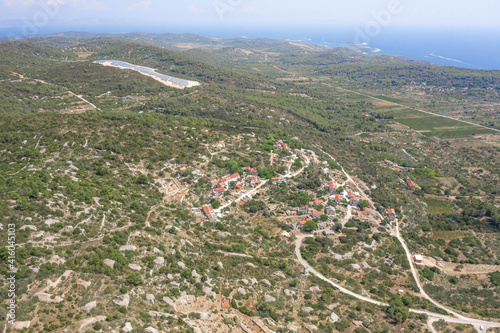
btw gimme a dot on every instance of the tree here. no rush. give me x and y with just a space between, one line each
397 310
363 204
134 279
407 300
495 278
216 204
310 226
142 179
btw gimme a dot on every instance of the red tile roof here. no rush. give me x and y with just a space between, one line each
391 211
304 221
318 201
234 175
317 213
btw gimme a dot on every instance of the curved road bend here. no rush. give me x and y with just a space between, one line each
417 280
407 251
432 316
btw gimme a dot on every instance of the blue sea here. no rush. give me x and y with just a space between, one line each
469 48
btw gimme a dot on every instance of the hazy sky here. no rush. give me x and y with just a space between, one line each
194 15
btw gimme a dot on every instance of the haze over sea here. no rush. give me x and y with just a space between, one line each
469 48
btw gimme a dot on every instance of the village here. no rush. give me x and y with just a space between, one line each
334 203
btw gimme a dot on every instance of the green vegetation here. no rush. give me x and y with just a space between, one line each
99 193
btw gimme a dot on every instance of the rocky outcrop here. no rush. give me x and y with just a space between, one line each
269 298
128 248
109 262
89 306
159 261
122 300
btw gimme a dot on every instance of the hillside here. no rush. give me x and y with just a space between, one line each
267 199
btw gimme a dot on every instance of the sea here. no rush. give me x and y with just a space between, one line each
467 48
460 47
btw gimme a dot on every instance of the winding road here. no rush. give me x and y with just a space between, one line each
479 325
432 316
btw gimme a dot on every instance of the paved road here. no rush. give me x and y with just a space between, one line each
432 316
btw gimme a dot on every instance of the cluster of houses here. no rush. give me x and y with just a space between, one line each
224 183
320 207
280 145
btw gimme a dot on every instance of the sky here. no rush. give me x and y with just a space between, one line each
21 17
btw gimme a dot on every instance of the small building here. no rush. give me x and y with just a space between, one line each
411 184
181 170
338 198
251 171
316 214
330 210
353 201
323 225
300 225
209 213
332 188
218 191
285 147
275 180
328 232
418 259
234 177
317 201
391 213
302 210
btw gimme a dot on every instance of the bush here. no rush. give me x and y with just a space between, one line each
195 315
134 279
397 310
